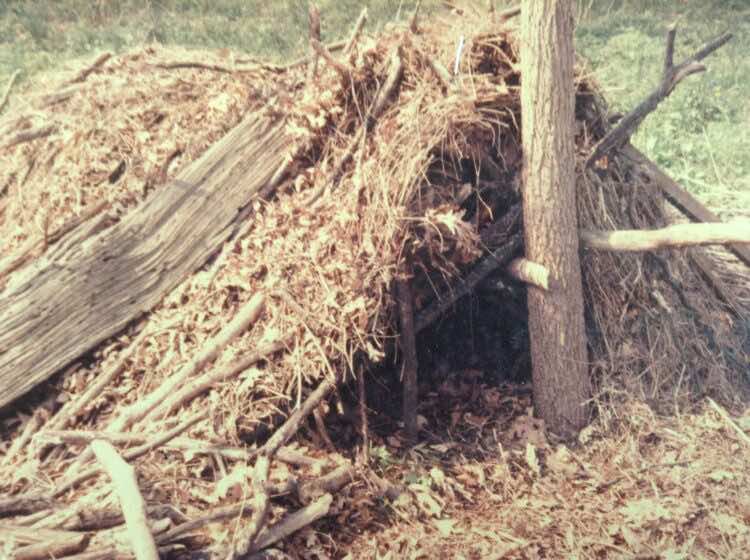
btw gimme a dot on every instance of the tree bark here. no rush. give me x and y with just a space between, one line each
556 323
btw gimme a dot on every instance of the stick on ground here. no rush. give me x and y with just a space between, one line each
294 522
86 72
131 454
133 506
211 378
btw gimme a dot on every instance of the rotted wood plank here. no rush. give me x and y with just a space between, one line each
93 283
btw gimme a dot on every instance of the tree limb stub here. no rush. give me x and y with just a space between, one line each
671 76
680 235
409 360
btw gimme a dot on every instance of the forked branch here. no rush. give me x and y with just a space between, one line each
671 76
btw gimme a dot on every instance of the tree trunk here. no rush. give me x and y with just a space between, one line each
556 323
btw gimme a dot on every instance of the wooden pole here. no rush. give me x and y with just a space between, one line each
676 236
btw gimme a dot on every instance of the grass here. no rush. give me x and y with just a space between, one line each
700 134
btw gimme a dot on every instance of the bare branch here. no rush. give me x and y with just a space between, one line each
680 235
133 506
360 23
671 76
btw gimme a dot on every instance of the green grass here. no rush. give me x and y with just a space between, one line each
700 134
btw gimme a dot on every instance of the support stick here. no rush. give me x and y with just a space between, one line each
133 506
409 360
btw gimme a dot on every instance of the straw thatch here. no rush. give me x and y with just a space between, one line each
310 276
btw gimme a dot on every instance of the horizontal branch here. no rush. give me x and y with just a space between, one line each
671 76
681 235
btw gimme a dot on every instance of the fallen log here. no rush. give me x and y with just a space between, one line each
680 235
94 283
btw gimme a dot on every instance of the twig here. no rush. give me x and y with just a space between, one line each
85 437
199 65
320 425
73 544
678 235
364 428
32 426
343 70
409 365
210 379
246 538
332 47
133 506
505 15
29 535
226 512
6 94
294 522
245 317
131 454
56 97
332 482
29 135
728 421
313 16
25 504
498 258
83 74
292 424
671 76
531 273
440 71
360 23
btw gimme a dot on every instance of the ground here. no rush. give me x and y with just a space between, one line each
485 481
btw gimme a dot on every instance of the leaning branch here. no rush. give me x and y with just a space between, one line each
680 235
6 94
498 258
86 72
530 272
671 76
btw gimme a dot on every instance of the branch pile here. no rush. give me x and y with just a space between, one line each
399 163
